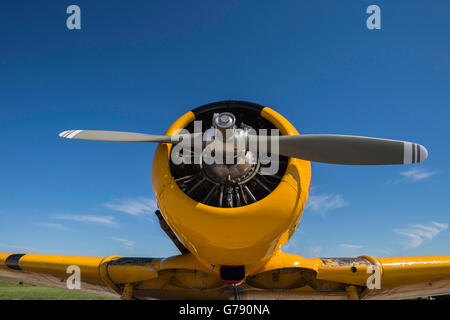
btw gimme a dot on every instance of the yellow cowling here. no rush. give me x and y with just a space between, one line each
247 235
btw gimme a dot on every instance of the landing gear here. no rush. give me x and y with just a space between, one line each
352 293
236 292
127 292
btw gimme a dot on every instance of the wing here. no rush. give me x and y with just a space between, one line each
364 277
141 278
389 277
410 277
284 276
54 271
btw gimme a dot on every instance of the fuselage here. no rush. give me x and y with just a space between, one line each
240 236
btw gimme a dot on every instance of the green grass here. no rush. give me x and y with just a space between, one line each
12 290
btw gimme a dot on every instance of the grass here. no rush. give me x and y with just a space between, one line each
13 290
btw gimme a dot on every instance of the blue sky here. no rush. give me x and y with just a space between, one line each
138 65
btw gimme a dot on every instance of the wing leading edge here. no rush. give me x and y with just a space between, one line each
284 276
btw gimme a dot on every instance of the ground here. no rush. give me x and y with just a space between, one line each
12 289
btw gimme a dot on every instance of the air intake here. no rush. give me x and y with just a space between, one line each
232 274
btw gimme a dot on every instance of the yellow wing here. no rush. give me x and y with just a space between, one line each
284 276
289 276
52 270
397 277
175 277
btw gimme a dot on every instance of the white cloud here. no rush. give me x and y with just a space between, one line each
350 246
52 225
105 220
315 251
416 174
125 242
16 248
321 203
418 233
350 249
133 206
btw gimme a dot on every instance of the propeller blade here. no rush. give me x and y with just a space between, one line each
326 148
351 150
118 136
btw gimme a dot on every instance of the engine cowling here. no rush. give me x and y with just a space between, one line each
259 213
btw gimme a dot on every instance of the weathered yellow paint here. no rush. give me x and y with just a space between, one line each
133 273
336 271
394 271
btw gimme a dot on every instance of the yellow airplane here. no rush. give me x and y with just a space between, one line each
230 222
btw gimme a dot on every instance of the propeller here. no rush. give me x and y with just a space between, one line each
325 148
119 136
351 150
